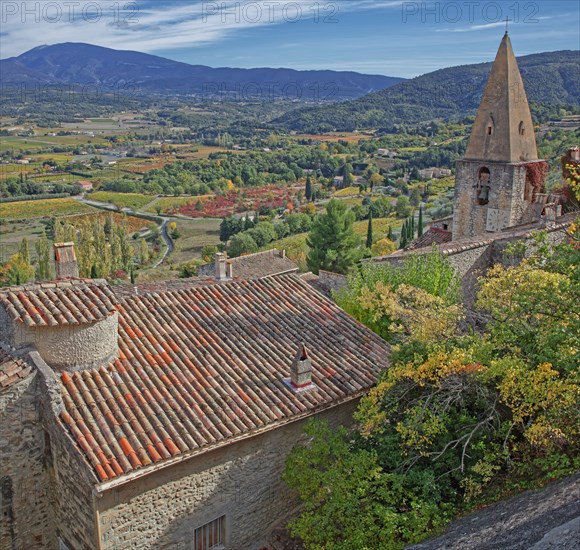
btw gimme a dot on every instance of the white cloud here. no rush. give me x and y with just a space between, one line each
151 27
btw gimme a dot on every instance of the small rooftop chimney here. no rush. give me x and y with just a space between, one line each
221 267
301 371
65 260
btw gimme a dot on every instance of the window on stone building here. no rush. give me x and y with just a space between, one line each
522 129
489 130
211 536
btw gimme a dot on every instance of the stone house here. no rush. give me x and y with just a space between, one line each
161 417
84 185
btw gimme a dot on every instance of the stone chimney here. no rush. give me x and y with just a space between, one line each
229 269
301 371
283 253
221 266
65 260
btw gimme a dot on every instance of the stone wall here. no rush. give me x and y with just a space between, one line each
71 481
70 347
26 518
506 204
241 481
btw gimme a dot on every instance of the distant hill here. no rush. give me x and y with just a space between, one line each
551 78
142 74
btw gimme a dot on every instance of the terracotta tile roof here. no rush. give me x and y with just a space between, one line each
432 236
520 231
255 266
125 290
63 302
199 367
12 370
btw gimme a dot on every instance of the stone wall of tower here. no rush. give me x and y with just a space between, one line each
506 205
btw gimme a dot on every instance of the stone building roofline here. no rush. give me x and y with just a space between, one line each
258 265
203 367
58 303
455 247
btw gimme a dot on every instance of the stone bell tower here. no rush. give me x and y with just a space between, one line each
495 184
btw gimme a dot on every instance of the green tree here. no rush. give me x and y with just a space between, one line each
208 253
403 238
334 246
42 246
375 180
228 228
143 252
17 271
415 197
24 251
308 190
369 242
420 223
263 233
242 243
403 207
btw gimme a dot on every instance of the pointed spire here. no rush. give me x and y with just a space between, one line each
503 130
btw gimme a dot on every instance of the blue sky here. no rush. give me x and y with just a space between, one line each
390 37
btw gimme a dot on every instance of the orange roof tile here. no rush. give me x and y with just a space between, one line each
210 365
66 302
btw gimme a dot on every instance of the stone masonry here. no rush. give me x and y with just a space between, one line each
241 481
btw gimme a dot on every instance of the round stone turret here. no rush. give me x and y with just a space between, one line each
73 324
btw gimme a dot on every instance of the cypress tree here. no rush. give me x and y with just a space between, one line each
420 223
390 235
403 240
43 254
370 230
308 190
24 252
412 227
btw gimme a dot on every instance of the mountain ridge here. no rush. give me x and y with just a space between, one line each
550 78
87 64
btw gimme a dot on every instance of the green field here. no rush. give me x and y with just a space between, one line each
135 201
40 142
